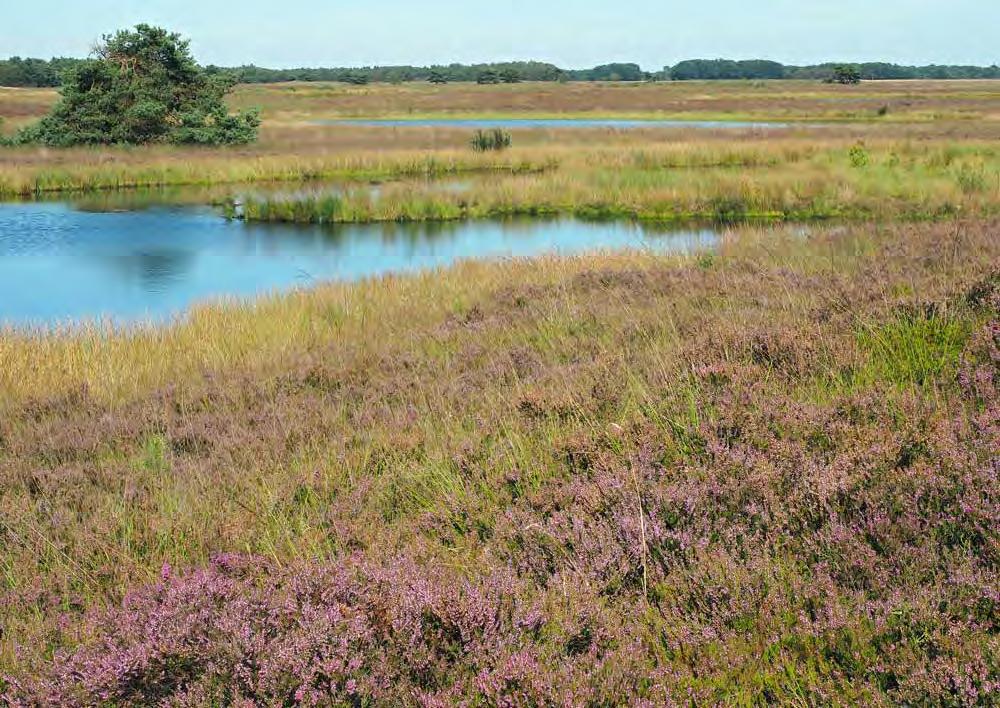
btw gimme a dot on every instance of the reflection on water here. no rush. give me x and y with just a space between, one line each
59 264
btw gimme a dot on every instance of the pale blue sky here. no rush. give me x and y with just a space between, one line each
570 33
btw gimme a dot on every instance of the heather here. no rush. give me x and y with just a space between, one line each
762 474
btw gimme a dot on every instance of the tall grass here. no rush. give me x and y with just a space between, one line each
664 183
495 140
87 171
607 469
914 348
762 474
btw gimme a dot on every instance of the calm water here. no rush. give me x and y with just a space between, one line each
551 123
60 264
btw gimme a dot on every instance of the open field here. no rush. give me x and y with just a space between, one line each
760 474
771 100
769 471
766 100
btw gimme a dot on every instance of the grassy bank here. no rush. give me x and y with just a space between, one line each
779 180
763 473
86 171
917 116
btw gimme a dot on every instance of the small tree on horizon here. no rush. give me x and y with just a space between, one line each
143 86
846 74
436 77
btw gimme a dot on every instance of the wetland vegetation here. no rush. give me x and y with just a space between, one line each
770 471
759 470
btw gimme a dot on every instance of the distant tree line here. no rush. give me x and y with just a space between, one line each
34 72
495 73
712 69
39 72
509 72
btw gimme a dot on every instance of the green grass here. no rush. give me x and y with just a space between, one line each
416 412
705 183
914 348
786 386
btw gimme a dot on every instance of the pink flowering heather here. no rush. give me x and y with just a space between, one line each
805 509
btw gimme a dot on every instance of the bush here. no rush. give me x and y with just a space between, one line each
496 140
846 75
859 156
729 210
141 87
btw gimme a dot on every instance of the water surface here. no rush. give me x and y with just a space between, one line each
60 264
551 123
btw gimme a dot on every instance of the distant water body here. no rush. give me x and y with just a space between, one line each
554 124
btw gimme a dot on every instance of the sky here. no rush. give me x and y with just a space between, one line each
569 33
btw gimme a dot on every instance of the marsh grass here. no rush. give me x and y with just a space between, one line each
720 100
293 148
177 168
495 140
914 348
499 417
759 474
693 182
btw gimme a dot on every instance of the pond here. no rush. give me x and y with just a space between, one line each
552 124
61 264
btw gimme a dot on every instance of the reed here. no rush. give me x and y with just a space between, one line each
295 146
716 183
90 171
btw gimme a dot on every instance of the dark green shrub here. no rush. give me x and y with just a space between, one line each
729 210
845 74
859 156
142 86
485 141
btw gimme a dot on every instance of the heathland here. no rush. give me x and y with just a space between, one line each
762 473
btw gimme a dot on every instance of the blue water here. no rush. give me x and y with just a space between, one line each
61 265
551 123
